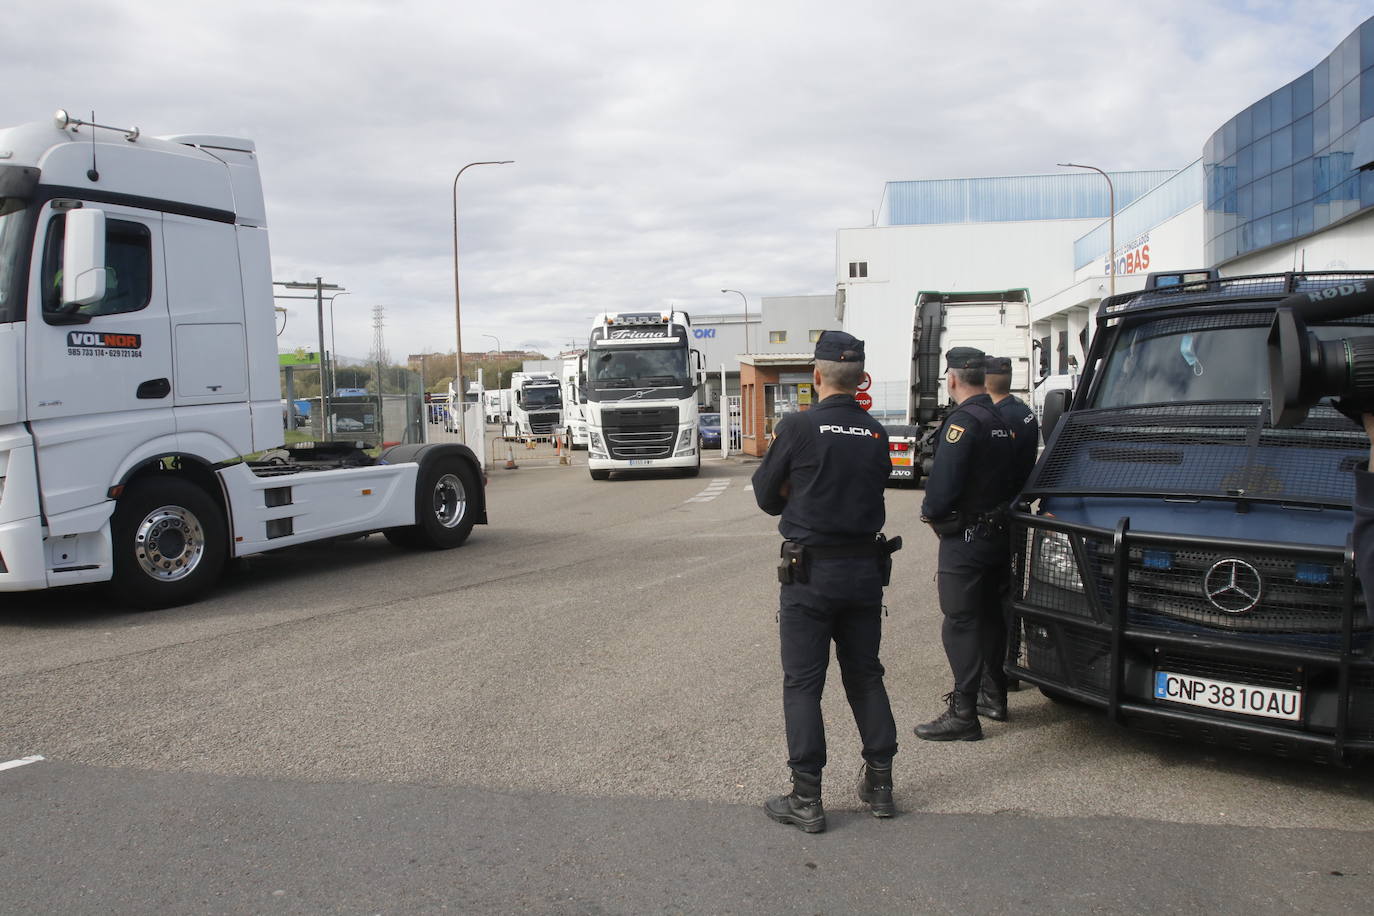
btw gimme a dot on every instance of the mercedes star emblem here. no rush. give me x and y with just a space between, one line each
1233 586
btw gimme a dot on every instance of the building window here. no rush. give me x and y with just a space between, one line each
777 337
815 334
858 269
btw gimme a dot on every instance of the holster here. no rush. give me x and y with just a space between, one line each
792 563
948 525
887 547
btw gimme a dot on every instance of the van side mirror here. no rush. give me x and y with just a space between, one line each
1056 403
83 258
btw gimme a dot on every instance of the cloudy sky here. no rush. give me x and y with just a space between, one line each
662 150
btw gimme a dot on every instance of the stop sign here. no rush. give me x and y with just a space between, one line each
865 400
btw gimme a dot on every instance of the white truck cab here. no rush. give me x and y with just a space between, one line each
138 365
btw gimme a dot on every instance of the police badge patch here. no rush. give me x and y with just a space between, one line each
954 433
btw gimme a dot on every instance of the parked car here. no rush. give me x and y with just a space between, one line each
708 430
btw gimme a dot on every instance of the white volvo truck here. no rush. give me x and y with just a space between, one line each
536 404
641 387
138 364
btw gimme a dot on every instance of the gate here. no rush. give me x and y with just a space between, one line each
732 433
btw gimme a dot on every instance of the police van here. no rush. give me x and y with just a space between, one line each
1183 562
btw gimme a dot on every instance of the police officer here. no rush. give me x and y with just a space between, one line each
965 503
1021 419
825 475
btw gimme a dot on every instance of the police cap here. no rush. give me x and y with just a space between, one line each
839 347
998 365
965 358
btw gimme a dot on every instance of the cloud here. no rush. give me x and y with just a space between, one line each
662 151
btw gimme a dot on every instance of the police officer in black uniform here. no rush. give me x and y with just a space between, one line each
992 703
825 474
1019 417
967 493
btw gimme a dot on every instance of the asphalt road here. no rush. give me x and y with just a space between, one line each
579 711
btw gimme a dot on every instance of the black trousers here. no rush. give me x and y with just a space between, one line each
973 581
842 603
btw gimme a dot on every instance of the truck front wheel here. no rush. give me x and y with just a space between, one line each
170 543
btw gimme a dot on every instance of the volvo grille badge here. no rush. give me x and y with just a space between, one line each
1233 586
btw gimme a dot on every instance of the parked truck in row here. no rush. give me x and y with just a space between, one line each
995 322
1183 548
139 356
536 405
641 386
574 400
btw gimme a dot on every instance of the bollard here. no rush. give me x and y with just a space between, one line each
510 462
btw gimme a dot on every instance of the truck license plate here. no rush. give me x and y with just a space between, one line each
1247 699
640 462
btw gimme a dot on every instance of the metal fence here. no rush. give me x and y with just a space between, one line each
395 414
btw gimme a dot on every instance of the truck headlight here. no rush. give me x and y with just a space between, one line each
594 446
1053 562
686 445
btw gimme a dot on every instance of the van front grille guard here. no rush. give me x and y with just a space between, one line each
1090 622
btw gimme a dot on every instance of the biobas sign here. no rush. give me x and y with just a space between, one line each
1132 258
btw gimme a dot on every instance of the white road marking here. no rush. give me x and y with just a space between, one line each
21 762
713 489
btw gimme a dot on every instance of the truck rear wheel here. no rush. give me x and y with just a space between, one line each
170 543
444 515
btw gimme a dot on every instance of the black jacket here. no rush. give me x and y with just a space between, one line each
975 461
835 458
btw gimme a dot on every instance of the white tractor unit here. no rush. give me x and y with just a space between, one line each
139 358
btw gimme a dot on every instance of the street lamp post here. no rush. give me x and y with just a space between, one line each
457 301
333 344
1111 197
499 353
746 315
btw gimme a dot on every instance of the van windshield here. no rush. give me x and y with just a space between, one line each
1195 358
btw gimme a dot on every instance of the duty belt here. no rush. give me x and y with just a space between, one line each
856 549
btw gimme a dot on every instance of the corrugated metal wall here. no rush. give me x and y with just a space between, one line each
1011 199
1180 191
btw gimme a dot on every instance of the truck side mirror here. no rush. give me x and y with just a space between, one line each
83 258
1056 402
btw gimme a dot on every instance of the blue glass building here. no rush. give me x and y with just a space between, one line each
1287 166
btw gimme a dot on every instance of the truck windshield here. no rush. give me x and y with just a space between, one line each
12 231
1194 358
639 368
541 397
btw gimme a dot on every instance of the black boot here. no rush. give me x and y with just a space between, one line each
801 806
992 700
957 723
875 789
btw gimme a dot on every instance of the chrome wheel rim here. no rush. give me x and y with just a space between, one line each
169 543
450 500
